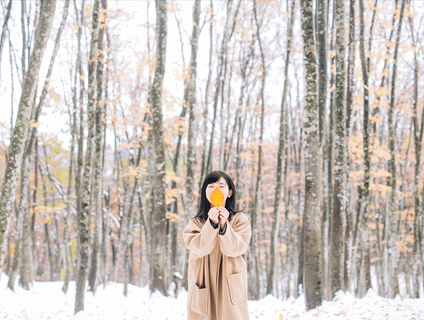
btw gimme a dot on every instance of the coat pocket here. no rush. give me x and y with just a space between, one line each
199 300
237 288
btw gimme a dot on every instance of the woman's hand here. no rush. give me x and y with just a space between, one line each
214 215
223 216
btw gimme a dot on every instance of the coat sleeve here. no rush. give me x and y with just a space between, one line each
236 239
200 240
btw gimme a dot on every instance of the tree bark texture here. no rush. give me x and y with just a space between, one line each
98 162
85 210
338 219
159 218
363 220
311 216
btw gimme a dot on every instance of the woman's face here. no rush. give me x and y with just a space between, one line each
223 186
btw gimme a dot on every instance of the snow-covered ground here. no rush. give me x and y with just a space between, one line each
47 301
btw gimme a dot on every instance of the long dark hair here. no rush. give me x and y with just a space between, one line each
205 205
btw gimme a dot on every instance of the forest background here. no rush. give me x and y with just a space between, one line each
113 112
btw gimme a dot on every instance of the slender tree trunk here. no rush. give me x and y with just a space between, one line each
311 216
349 101
22 122
3 33
18 249
46 230
26 248
84 213
127 237
159 219
363 220
339 210
98 159
67 220
393 225
205 113
106 216
191 160
228 33
418 140
66 232
321 46
254 243
281 145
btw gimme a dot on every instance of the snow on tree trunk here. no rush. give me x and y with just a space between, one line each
19 137
98 168
159 213
311 215
321 45
85 209
338 219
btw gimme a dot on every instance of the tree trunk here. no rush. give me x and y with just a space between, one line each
85 210
3 33
254 243
228 33
349 101
159 219
191 160
339 210
98 159
418 140
281 145
46 230
127 237
205 113
22 122
393 225
311 215
363 220
26 249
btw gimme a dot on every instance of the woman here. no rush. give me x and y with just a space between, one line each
217 237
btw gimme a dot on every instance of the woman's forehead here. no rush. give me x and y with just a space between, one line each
221 180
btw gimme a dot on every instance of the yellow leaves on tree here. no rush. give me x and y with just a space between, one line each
217 197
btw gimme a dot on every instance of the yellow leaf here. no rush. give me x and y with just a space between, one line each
217 198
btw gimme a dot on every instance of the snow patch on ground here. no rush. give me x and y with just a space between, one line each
46 300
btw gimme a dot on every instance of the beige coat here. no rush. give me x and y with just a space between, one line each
217 273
